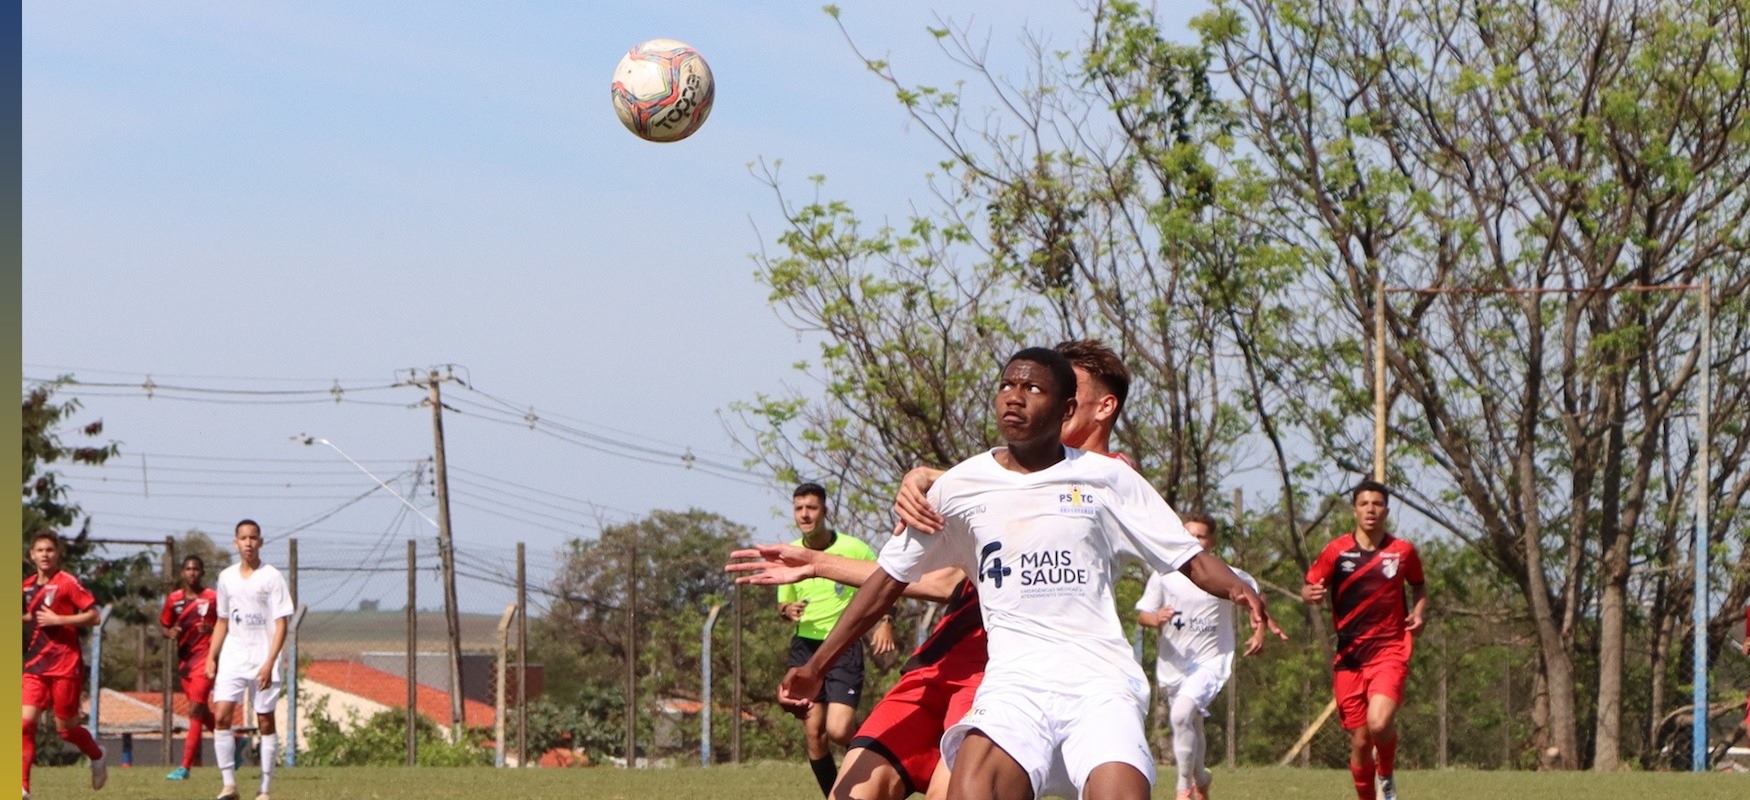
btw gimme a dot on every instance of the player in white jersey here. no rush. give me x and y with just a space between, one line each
1195 657
1041 528
244 658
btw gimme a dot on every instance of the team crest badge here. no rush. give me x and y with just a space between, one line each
1389 567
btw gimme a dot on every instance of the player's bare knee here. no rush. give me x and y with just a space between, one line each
1117 781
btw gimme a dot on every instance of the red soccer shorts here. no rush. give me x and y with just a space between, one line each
47 691
196 686
906 726
1353 688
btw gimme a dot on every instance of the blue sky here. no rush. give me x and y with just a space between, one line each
275 197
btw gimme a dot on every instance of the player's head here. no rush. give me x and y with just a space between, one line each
1036 395
46 550
808 507
1371 500
248 540
1102 384
194 569
1201 526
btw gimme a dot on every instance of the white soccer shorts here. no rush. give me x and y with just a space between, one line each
232 687
1202 686
1058 738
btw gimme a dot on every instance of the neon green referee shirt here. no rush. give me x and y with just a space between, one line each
827 599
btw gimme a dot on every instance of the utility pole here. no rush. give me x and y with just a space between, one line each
522 659
632 648
446 548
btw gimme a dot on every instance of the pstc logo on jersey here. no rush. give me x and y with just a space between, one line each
1076 501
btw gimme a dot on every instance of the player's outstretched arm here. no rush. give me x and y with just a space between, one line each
872 603
1214 576
778 564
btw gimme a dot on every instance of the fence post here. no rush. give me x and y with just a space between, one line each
705 684
297 622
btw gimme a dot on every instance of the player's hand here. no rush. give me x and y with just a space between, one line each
776 564
1245 598
1413 624
881 638
1163 616
1313 593
46 617
797 691
793 611
264 677
212 669
1255 645
912 506
173 631
1745 647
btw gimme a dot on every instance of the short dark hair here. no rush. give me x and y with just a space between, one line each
1201 517
235 529
810 488
1369 485
199 562
1101 364
1053 361
52 536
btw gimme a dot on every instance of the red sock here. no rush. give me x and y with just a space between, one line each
81 738
29 749
1363 774
1387 754
191 747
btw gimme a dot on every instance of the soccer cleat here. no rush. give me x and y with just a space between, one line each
1388 788
263 796
1203 790
99 772
1186 794
228 793
178 774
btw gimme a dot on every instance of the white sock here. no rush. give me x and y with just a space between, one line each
269 755
225 752
1188 743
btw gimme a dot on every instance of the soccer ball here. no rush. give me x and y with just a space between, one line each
663 90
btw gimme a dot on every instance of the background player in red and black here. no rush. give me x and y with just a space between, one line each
56 605
1364 574
188 617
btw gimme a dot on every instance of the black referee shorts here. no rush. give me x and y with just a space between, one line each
844 682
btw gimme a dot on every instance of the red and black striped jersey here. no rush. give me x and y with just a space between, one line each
53 650
195 613
1366 593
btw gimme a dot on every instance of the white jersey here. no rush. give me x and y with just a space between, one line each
1200 636
249 607
1043 549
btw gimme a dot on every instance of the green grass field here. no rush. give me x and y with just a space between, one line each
793 782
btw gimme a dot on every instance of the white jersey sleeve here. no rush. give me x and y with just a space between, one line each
280 597
910 555
1146 525
1154 595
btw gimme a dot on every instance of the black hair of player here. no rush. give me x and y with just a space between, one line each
1369 485
1055 363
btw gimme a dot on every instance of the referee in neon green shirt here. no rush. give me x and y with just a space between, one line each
815 605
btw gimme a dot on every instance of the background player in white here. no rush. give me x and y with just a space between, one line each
245 655
1041 528
1195 656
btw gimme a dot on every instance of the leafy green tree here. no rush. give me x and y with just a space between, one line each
1526 160
381 741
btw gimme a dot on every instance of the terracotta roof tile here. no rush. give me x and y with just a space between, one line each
390 690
